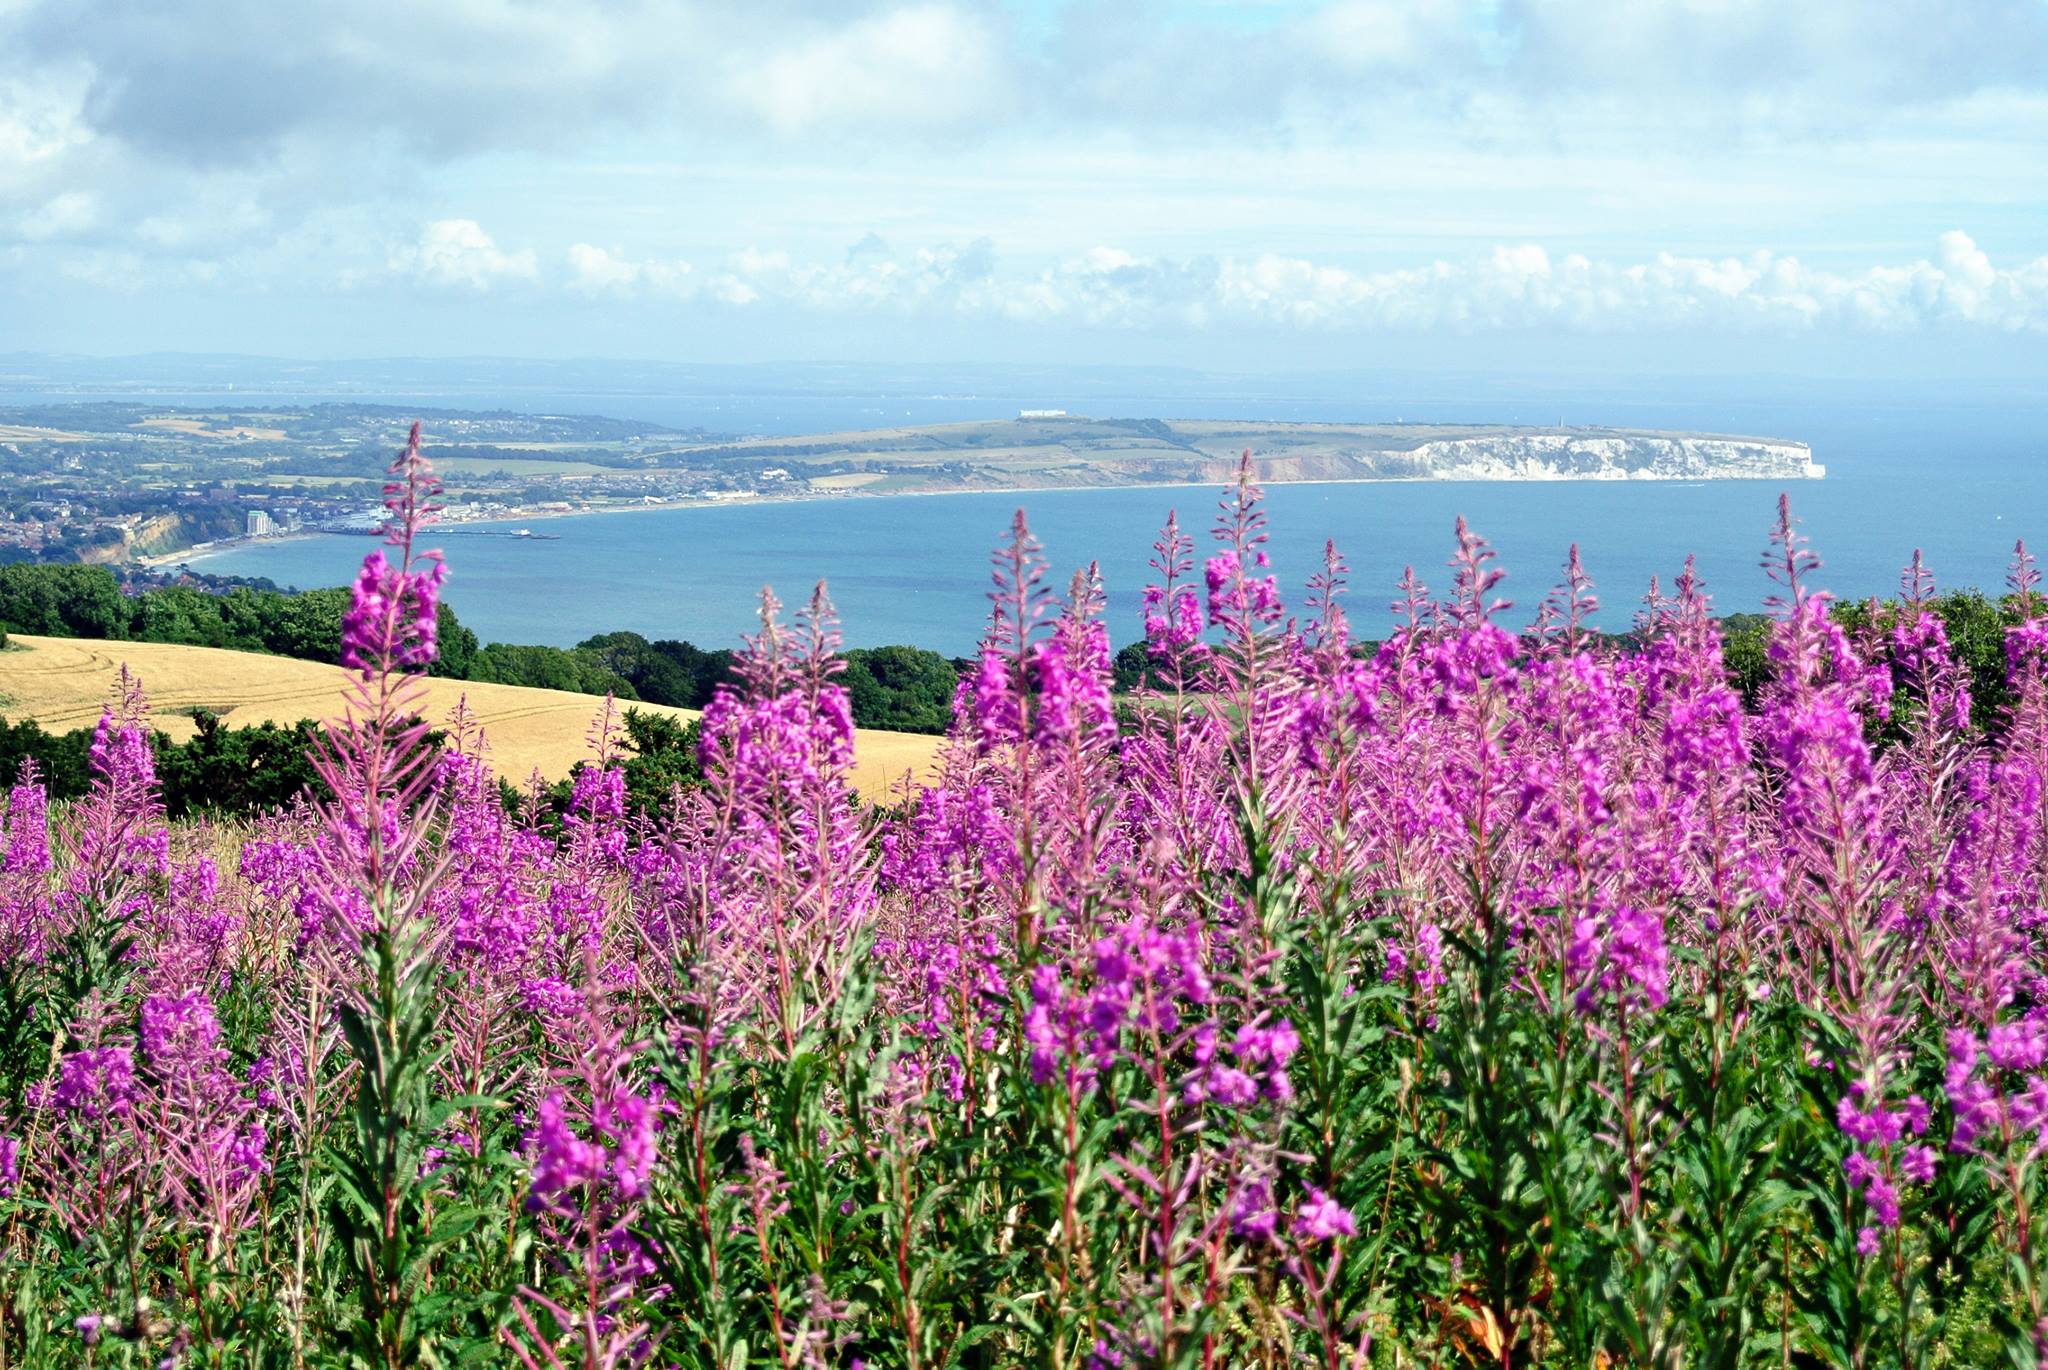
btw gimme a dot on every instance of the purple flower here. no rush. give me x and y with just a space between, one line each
1253 1216
562 1161
1267 1046
96 1083
180 1034
1223 574
1320 1218
998 713
1104 1356
630 1124
2019 1044
392 616
620 1149
1872 1126
549 998
1267 1050
1072 674
1172 626
1868 1178
247 1153
25 842
1622 957
120 753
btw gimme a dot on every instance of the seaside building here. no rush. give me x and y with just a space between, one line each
1041 413
261 524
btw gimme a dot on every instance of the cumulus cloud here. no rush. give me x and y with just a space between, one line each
597 270
1515 286
61 216
919 66
1378 34
1302 164
223 81
1523 287
870 276
217 81
1902 50
457 252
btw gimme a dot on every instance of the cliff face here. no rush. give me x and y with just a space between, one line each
1508 455
1039 452
161 534
165 533
1565 456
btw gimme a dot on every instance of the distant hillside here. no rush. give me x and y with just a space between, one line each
1069 450
117 481
61 683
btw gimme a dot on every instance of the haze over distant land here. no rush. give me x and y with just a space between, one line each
1053 449
121 480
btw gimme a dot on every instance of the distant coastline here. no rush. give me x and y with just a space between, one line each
137 484
518 517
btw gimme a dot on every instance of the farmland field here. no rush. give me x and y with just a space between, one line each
62 683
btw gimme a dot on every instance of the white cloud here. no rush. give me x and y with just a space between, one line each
459 252
62 216
217 81
597 270
917 66
1522 287
1390 33
594 268
41 113
1514 286
1295 164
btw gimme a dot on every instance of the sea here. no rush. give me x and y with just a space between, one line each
1961 475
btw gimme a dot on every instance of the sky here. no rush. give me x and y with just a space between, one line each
1828 187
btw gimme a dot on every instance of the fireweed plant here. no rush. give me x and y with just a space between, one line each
1490 996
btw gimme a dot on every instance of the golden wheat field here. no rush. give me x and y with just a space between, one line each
62 682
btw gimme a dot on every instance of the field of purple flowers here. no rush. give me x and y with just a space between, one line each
1495 997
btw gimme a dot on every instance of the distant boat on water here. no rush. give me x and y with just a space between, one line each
511 534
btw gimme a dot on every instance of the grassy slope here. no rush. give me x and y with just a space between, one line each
61 683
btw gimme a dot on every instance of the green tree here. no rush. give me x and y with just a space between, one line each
179 613
1745 651
237 770
549 668
655 676
705 670
62 601
661 757
1134 667
457 646
63 759
1975 625
906 689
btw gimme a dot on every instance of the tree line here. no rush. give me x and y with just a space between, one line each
906 689
223 772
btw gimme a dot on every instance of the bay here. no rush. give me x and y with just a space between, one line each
1961 482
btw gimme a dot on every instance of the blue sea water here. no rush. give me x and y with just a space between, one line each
1958 472
1961 486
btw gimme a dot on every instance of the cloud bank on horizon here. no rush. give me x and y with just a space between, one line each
1025 179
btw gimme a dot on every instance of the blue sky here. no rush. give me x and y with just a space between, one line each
1832 187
